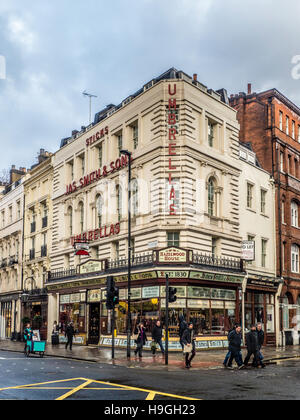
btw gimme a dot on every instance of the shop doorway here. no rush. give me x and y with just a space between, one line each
94 323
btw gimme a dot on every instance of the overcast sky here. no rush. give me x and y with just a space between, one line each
54 50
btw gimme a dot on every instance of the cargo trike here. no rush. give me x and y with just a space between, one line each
35 347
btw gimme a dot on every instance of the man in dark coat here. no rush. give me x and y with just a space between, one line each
235 342
261 340
182 327
188 338
252 347
70 333
141 339
157 336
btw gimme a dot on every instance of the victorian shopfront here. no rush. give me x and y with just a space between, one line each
208 294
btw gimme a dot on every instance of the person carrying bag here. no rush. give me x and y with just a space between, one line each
189 348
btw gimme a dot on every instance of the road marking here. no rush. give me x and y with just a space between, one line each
109 386
68 394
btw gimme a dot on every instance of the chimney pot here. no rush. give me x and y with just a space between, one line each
249 88
195 77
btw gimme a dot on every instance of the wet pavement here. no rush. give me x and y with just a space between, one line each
66 379
211 359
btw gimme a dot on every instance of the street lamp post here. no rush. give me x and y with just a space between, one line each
128 154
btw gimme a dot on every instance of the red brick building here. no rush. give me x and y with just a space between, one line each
270 122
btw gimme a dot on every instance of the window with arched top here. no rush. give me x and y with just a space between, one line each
99 210
211 197
294 214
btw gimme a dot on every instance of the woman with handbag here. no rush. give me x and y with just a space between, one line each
188 340
141 339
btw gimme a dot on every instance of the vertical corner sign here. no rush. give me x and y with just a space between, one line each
172 145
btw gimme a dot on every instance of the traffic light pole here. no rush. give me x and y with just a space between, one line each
113 334
167 321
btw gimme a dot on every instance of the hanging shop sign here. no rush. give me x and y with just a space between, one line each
92 266
95 176
173 255
82 248
248 250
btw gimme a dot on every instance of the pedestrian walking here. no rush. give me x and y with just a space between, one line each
157 334
252 347
141 340
261 340
28 335
182 327
70 333
188 340
235 342
227 357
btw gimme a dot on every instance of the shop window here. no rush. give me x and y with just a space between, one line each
74 312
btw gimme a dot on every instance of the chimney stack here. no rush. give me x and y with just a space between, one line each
249 88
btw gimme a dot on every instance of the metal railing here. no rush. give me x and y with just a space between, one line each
146 260
220 262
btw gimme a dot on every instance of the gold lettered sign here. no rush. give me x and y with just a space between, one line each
137 276
173 274
172 255
94 295
92 266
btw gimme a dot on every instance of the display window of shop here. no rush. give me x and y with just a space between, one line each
70 311
260 308
6 315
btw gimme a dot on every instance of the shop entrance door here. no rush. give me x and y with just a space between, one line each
94 323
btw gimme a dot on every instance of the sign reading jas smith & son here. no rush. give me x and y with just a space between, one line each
173 255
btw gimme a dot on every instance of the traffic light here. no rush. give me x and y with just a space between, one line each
112 293
172 294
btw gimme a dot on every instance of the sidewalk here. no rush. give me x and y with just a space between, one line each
212 359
